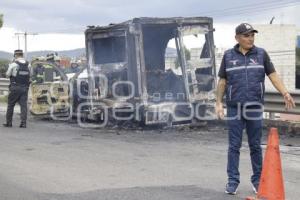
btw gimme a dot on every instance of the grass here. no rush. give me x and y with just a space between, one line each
3 99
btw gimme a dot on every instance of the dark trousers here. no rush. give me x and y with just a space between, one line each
252 121
17 94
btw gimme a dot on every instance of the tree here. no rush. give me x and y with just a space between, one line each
1 20
3 67
187 54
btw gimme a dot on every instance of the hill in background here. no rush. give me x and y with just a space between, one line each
74 53
68 53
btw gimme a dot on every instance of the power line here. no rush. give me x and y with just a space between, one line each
237 8
251 7
257 9
25 34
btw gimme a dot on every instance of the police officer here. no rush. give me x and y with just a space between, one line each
50 57
53 58
242 76
19 74
74 67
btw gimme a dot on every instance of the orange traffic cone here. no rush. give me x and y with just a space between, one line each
271 181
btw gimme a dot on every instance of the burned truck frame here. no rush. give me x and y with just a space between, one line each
50 95
151 70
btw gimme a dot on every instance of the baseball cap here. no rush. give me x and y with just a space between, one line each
244 28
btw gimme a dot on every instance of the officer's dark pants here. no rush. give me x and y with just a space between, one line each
17 94
252 121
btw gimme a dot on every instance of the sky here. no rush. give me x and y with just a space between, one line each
60 24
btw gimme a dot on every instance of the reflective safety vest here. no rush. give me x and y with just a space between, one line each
39 74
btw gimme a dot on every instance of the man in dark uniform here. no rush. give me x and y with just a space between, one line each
74 67
38 74
19 74
242 78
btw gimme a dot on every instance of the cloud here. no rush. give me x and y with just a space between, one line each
73 16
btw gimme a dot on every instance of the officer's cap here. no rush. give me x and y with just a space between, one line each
18 52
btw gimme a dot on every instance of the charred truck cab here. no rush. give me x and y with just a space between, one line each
151 70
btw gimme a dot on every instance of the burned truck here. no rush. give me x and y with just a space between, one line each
150 70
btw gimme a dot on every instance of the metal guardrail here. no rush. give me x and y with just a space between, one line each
274 102
4 82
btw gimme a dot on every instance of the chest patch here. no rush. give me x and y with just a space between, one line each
253 61
234 62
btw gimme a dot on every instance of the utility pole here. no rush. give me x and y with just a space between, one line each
18 41
25 40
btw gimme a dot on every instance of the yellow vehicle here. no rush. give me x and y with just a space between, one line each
49 91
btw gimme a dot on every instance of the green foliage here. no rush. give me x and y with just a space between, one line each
3 99
3 67
1 20
187 53
187 57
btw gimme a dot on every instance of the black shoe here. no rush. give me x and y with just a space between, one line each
23 125
8 125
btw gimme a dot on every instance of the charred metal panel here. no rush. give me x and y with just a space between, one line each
133 73
135 52
51 96
47 99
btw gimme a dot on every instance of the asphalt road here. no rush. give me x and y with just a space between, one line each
59 161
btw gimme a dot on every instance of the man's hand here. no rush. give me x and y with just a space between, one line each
220 110
278 84
289 101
